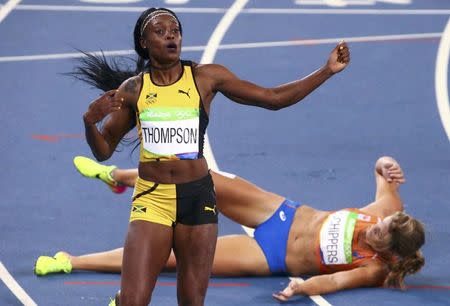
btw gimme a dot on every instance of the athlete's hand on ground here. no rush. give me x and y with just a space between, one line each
391 170
292 289
102 106
339 58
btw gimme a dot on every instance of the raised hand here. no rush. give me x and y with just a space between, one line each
390 169
339 57
103 106
393 173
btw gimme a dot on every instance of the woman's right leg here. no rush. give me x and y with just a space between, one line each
147 248
108 261
111 175
125 177
239 255
235 255
243 201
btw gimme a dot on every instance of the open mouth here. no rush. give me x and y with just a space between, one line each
172 47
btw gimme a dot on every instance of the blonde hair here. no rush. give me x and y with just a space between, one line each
407 235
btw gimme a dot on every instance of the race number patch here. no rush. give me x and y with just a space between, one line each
170 131
336 237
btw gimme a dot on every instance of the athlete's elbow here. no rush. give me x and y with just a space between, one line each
274 103
271 100
101 151
101 156
273 107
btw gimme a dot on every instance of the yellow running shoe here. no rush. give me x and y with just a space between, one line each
112 301
90 168
60 263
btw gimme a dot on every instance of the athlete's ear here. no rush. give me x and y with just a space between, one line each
143 43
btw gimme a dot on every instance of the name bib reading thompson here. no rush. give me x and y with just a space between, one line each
336 237
170 130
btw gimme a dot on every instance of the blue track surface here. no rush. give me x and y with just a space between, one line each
320 151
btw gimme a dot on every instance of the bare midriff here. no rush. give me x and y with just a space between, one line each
301 253
173 172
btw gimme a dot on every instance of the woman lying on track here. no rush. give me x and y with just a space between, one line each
371 246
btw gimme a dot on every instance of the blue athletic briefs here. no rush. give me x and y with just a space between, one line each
272 236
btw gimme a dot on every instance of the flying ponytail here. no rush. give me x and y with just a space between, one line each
96 71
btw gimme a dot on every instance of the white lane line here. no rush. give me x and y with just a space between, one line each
268 44
79 54
7 8
41 57
346 11
220 30
217 10
339 3
119 9
208 57
320 41
350 2
319 300
11 283
441 79
110 1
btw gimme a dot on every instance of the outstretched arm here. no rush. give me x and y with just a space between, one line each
284 95
366 276
388 175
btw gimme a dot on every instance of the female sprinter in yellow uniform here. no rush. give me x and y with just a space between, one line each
168 100
375 245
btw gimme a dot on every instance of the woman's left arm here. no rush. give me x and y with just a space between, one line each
388 176
365 276
245 92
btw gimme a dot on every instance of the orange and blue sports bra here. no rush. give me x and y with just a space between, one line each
171 120
337 242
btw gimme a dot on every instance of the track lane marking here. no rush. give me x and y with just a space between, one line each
218 10
15 288
268 44
208 57
441 79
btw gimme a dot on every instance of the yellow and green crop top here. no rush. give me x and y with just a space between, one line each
171 120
